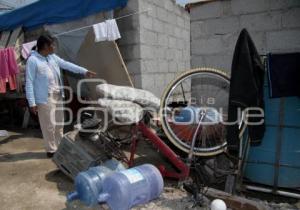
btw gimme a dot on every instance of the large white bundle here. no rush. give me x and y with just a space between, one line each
141 97
122 111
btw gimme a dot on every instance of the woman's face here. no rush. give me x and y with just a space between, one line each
49 49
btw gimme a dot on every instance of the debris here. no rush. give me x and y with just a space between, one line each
3 133
218 204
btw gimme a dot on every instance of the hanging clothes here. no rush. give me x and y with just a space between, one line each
8 69
113 32
100 31
246 90
26 49
284 74
106 31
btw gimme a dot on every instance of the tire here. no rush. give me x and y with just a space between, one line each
181 77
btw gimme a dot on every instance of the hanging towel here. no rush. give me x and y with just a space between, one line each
113 32
284 74
26 49
246 90
100 30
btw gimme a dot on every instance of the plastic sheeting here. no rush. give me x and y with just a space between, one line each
55 11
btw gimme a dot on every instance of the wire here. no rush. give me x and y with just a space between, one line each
78 29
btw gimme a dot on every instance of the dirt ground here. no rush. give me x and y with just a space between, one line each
31 181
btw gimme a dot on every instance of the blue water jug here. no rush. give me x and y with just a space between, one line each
138 185
88 184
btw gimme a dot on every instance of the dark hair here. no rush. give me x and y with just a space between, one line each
44 40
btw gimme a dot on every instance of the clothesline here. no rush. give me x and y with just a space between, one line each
81 28
78 29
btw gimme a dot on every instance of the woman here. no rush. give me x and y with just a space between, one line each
44 89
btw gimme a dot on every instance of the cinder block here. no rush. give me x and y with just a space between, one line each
137 80
283 4
169 29
180 44
261 22
148 82
172 42
152 10
180 22
197 61
188 64
162 14
163 66
246 7
291 18
156 2
221 26
260 41
131 52
283 41
146 21
221 62
163 40
160 52
159 84
149 37
173 66
227 8
187 24
129 23
178 55
229 42
134 66
169 5
147 52
170 77
198 29
181 66
172 18
186 34
129 38
186 54
207 46
178 32
158 26
149 66
207 10
170 55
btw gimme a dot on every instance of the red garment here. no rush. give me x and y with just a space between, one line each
12 81
4 70
8 69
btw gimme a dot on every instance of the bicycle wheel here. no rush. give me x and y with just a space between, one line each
196 98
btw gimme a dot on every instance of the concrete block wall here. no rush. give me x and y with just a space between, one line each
155 44
274 26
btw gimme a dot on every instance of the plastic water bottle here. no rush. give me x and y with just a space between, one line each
138 185
88 184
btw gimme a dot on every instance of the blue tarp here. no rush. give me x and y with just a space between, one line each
55 11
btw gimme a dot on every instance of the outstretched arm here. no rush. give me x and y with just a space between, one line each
73 67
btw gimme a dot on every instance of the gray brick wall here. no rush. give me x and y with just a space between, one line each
274 26
155 45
